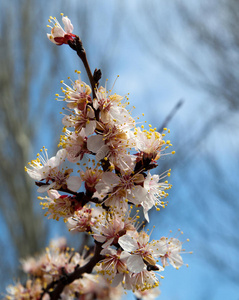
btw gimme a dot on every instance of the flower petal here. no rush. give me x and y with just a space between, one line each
135 263
128 243
73 183
67 24
45 188
94 143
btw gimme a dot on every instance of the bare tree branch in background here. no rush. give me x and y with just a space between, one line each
171 115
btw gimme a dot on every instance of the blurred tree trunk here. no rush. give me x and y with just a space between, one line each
20 71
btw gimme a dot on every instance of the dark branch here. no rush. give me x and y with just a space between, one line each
65 190
77 45
81 197
59 285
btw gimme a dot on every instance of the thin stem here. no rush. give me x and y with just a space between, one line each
84 59
77 45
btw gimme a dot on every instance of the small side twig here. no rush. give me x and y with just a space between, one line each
171 115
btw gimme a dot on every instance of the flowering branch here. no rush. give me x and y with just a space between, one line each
116 178
59 285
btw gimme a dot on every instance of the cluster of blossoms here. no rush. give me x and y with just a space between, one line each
101 135
55 262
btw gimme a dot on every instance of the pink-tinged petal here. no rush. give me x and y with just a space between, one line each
162 247
176 261
67 24
139 178
66 121
108 251
73 183
108 243
51 38
104 116
147 203
177 245
90 112
146 216
143 238
127 282
45 188
99 238
53 194
138 194
124 255
110 179
57 160
57 32
135 263
164 261
60 157
157 249
117 280
90 128
96 104
94 143
50 164
35 175
147 206
102 152
128 243
102 189
44 171
126 162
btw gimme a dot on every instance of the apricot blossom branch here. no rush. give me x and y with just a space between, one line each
116 177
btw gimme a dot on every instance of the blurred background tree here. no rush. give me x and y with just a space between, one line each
19 74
